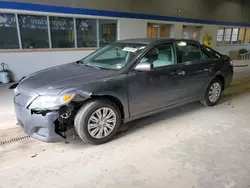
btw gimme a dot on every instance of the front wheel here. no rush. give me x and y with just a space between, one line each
97 121
213 93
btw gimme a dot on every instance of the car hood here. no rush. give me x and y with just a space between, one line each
61 77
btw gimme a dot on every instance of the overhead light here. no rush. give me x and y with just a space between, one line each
182 44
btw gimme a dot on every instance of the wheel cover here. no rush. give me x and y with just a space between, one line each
214 92
102 122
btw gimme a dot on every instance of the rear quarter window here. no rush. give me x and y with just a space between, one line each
205 55
214 54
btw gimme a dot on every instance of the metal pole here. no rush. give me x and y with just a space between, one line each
75 33
97 33
49 32
18 32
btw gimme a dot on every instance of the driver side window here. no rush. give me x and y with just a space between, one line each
160 56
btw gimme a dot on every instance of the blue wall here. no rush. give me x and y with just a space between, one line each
70 10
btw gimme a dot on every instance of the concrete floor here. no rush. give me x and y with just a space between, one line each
190 146
7 114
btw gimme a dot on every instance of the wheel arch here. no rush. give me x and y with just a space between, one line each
217 76
222 79
113 99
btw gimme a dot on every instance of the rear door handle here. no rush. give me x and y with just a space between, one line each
211 66
208 69
178 73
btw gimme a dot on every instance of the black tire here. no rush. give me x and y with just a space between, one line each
83 115
205 100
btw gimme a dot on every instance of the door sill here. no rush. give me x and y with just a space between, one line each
159 110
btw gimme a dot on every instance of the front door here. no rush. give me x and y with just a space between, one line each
197 66
159 87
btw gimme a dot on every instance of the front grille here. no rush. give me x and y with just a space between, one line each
21 99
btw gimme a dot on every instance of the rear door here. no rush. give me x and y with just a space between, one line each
197 66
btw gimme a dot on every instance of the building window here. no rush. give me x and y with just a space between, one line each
220 34
86 30
158 30
165 30
62 32
153 31
192 32
8 32
233 36
33 31
235 33
108 31
227 36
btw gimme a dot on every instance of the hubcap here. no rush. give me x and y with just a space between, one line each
214 92
101 122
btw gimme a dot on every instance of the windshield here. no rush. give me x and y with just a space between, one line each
113 56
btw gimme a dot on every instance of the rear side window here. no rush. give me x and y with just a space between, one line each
188 52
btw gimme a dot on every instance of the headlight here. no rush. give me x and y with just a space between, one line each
47 102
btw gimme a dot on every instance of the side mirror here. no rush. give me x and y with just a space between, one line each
143 67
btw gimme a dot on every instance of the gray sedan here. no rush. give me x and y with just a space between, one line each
120 82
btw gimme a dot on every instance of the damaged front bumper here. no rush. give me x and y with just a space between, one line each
46 125
42 126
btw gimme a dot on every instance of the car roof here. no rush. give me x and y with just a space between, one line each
153 40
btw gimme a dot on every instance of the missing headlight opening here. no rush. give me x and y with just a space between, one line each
65 119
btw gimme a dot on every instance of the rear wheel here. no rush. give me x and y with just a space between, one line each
97 121
213 93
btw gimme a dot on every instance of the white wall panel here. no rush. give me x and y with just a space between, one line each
24 63
226 49
132 28
177 30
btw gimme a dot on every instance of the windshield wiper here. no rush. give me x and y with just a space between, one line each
87 65
92 66
104 68
79 62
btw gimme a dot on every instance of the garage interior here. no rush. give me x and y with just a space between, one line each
188 146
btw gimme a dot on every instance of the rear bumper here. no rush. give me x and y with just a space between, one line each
38 126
